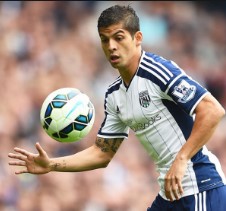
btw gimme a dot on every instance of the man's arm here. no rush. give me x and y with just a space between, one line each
96 156
208 114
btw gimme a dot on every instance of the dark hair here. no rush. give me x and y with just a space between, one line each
120 14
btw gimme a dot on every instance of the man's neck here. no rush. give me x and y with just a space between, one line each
128 72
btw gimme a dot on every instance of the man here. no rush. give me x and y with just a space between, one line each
172 115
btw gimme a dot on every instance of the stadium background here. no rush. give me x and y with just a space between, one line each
48 45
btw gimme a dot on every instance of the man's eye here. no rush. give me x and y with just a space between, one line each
104 40
119 38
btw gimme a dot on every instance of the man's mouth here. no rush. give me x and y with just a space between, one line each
114 58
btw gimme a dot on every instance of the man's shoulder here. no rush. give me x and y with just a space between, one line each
155 57
158 61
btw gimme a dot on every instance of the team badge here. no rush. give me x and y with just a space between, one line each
184 91
144 99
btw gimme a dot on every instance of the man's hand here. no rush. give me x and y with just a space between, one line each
31 163
173 179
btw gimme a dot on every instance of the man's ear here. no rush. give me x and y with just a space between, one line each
139 37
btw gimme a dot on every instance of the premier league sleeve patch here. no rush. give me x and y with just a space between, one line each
186 92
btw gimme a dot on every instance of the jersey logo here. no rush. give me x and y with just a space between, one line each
184 91
144 99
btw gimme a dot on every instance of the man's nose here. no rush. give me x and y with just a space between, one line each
112 45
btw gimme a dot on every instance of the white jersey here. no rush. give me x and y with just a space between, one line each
158 106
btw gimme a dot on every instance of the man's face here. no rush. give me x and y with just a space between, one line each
118 45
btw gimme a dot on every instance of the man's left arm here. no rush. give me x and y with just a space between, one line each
208 112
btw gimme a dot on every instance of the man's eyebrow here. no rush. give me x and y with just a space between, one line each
117 32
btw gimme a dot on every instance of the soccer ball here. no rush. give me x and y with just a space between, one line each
67 115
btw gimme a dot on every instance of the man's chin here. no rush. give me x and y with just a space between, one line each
115 65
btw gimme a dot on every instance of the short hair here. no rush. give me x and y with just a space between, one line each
120 14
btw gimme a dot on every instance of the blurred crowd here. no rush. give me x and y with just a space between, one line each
46 45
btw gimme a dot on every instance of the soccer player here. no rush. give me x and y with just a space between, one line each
171 114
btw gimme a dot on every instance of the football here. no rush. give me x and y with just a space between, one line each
67 115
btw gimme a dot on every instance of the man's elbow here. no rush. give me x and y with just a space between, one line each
217 112
210 110
104 164
223 112
220 111
105 161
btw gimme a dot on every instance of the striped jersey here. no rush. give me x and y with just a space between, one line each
158 105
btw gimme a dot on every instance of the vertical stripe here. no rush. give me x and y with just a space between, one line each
200 201
204 201
196 202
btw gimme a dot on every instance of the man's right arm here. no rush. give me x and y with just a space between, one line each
96 156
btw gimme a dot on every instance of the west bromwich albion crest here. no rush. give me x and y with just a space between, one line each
144 99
